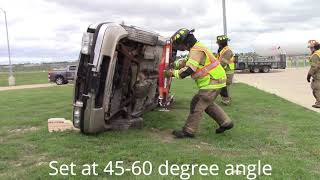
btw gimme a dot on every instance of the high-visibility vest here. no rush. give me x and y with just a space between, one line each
211 75
231 65
317 52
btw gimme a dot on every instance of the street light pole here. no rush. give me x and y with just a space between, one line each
11 79
224 17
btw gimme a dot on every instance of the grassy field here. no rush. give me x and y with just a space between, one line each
267 128
22 78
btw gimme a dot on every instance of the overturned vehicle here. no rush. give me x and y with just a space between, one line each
120 77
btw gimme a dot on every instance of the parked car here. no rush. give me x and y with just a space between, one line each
119 77
62 76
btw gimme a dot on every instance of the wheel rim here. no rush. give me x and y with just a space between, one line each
59 81
265 69
256 70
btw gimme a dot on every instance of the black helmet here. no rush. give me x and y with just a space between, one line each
222 38
180 36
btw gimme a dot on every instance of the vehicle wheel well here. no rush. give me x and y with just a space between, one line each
57 76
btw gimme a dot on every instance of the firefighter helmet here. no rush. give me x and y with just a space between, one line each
180 36
222 38
313 43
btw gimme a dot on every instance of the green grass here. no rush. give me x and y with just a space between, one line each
23 78
267 128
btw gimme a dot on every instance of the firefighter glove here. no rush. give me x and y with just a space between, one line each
308 77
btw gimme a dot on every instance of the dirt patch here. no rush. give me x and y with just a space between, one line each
27 160
23 130
164 135
210 149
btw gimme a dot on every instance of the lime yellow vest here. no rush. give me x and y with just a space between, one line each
211 75
230 67
317 52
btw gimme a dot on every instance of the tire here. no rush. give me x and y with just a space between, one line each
255 69
59 80
265 69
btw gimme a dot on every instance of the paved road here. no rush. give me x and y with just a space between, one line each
291 84
7 88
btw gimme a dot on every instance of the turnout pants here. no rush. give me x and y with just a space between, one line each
203 101
315 86
225 91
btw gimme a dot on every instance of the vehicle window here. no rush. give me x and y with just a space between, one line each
72 68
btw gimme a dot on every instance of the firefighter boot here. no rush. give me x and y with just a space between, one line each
182 134
316 105
223 128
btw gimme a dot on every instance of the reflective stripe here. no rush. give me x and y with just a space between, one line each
214 86
222 52
199 48
177 64
205 70
193 62
230 62
201 72
176 73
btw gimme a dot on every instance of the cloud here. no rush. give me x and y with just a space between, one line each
53 28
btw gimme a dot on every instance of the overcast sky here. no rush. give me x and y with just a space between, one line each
48 30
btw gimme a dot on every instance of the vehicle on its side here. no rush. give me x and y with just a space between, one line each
256 64
62 76
118 77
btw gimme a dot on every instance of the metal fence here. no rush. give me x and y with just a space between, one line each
297 63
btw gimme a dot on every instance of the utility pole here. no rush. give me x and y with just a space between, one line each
11 79
224 17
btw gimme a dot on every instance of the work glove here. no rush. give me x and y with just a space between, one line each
167 73
308 77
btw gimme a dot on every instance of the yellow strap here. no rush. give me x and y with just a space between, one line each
202 49
222 52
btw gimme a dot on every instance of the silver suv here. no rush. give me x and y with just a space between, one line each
118 77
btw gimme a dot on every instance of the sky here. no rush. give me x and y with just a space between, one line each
51 30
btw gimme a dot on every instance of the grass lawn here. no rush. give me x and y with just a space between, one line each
267 128
22 78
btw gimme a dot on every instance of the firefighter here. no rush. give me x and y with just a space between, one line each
209 76
226 59
314 71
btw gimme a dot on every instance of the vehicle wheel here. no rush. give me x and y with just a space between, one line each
266 69
59 80
256 70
